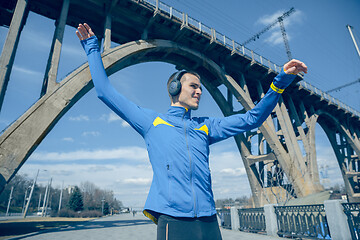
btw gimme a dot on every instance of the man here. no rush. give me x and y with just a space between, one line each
180 199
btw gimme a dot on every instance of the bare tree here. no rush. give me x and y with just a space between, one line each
277 188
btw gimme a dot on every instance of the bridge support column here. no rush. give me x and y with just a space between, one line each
107 33
270 220
337 220
49 82
235 221
9 50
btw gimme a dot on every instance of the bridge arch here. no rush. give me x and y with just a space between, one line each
345 147
25 134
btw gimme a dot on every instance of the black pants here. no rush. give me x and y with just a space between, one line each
174 228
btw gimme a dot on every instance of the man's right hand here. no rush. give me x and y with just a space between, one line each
84 31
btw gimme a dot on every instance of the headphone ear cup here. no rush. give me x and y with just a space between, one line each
174 87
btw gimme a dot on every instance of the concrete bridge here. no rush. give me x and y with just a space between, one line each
149 30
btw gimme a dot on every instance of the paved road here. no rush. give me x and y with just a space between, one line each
120 227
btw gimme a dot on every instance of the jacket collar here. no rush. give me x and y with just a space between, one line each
179 112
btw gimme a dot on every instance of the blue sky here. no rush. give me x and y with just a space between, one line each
92 144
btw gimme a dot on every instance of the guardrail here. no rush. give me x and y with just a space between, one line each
225 218
252 220
235 47
352 211
302 221
332 220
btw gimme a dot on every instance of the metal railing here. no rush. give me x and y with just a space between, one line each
225 218
252 220
328 98
352 211
302 221
235 47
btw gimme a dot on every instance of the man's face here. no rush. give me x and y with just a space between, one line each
191 90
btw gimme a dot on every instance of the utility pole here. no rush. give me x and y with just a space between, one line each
23 208
48 196
61 193
102 206
357 49
46 190
31 192
342 86
10 198
353 38
39 202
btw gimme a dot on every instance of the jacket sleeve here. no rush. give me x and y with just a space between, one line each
137 117
222 128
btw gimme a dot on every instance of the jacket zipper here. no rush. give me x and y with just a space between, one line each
191 170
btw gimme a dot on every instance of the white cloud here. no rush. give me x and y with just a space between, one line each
138 181
80 118
132 153
125 124
26 71
92 133
295 17
68 139
112 117
276 38
233 172
268 19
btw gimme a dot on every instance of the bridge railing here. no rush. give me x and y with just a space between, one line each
225 218
352 211
235 47
328 97
332 220
307 221
252 220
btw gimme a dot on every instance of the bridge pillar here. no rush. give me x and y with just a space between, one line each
337 220
49 82
10 46
271 220
107 25
107 33
235 221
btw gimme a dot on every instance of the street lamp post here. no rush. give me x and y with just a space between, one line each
25 199
10 198
102 206
31 192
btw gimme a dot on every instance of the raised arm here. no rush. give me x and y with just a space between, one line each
222 128
140 119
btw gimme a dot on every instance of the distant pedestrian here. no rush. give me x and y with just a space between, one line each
180 199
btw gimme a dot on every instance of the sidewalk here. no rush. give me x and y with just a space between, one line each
122 227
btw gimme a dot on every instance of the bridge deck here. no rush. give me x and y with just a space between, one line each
119 227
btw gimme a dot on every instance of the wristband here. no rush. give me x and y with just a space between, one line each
276 89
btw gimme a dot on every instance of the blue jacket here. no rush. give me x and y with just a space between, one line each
177 144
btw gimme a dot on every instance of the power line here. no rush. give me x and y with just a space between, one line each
342 86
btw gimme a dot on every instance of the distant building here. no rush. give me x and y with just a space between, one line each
70 189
